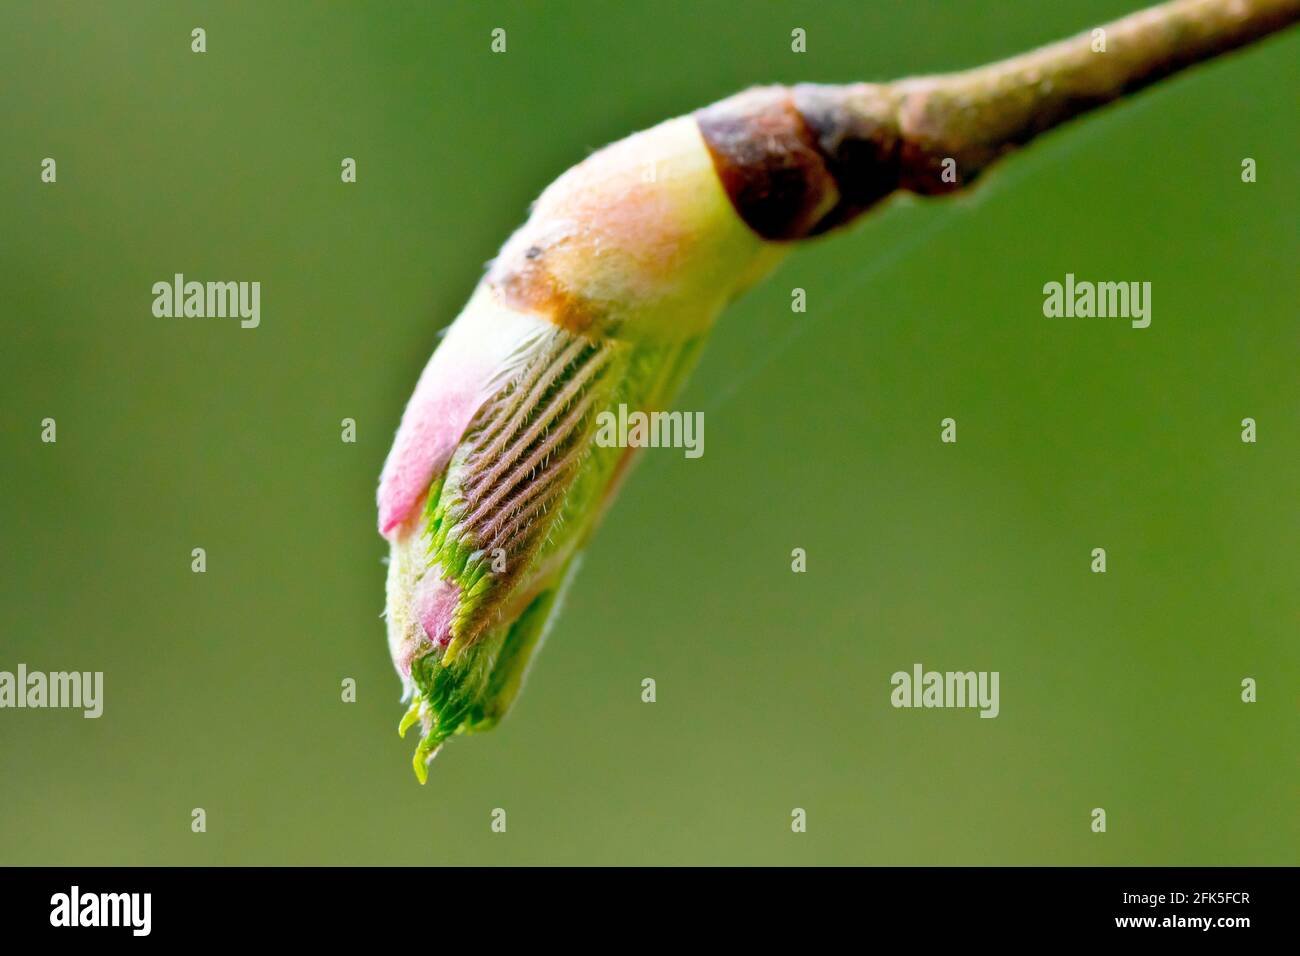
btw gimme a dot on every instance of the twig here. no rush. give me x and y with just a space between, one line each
798 161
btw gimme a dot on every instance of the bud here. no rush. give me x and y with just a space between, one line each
494 483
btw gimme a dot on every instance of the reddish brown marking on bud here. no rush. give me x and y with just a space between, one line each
529 286
797 162
768 161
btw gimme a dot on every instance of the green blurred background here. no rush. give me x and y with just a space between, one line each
222 690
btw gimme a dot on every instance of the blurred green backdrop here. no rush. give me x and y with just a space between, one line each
222 690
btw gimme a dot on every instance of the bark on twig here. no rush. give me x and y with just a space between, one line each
798 161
